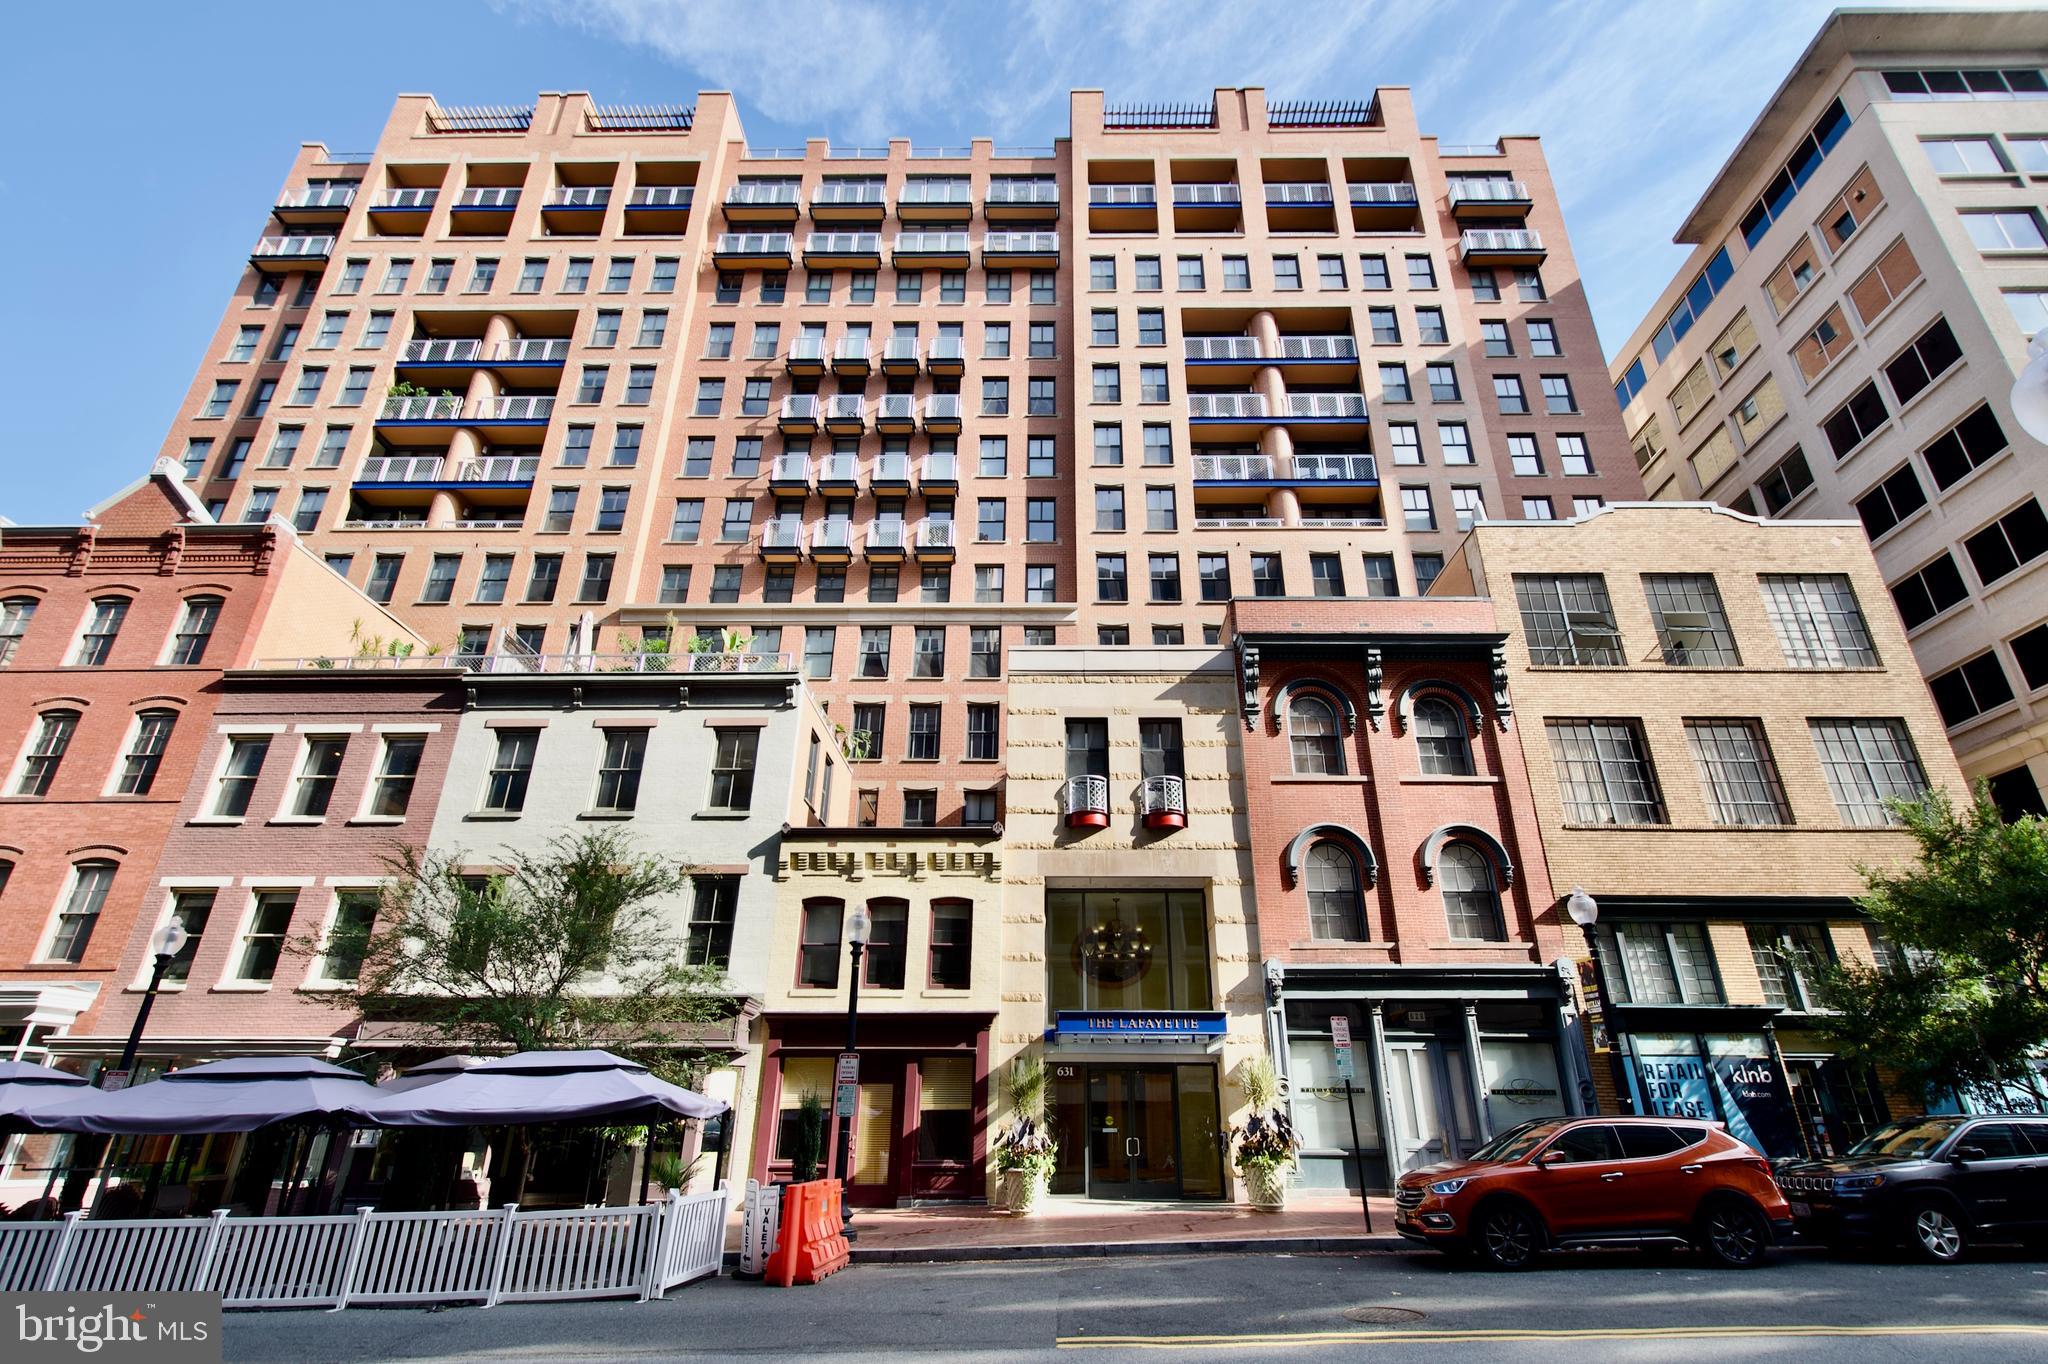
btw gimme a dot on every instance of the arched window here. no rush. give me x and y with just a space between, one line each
1312 732
1336 908
96 641
145 751
81 911
195 628
1471 903
15 614
53 737
1440 739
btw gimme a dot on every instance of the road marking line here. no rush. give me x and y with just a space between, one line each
1479 1336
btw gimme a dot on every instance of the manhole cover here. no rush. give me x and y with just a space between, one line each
1382 1316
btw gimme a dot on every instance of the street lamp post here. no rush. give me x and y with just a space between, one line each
164 946
858 928
1585 912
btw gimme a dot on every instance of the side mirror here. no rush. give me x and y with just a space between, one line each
1554 1158
1963 1153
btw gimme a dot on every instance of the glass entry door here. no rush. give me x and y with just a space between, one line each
1132 1130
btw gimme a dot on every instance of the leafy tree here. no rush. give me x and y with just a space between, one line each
574 945
1960 1005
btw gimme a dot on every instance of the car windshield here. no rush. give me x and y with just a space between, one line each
1917 1138
1517 1142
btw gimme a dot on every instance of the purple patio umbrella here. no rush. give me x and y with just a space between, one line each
27 1089
237 1095
431 1073
540 1087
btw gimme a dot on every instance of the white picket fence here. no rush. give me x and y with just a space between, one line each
379 1257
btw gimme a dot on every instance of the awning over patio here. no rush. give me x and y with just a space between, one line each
27 1089
541 1087
237 1095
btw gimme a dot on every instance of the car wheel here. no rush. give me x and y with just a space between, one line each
1935 1233
1508 1237
1734 1234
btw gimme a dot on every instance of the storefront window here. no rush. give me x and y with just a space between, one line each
1127 949
945 1107
1734 1081
801 1075
1521 1081
1316 1092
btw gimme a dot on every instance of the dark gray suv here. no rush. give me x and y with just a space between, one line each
1936 1184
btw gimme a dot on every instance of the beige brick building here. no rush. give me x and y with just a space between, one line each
1712 709
1866 270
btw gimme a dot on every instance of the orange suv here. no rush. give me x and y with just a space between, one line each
1563 1183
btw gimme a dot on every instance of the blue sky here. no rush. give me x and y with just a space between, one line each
158 133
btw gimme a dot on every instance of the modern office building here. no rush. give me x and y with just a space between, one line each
1712 710
562 377
1866 270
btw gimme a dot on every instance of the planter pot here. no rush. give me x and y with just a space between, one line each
1267 1187
1022 1192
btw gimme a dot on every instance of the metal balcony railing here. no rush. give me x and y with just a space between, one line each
850 192
832 534
1499 239
661 196
1238 523
1347 468
408 198
421 409
1023 191
1123 196
1221 347
1233 468
1325 405
1299 192
942 407
790 468
488 196
840 468
1227 405
1383 192
500 469
521 408
782 533
900 348
800 407
1343 523
401 469
320 196
846 407
295 247
1162 796
532 350
843 244
885 535
930 243
1318 348
931 534
1084 796
642 118
1489 191
892 467
1019 243
941 467
580 196
895 407
764 192
753 244
1194 195
931 191
428 352
480 118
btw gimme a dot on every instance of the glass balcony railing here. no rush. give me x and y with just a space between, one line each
1023 191
790 468
421 409
1021 243
895 407
1390 192
1299 192
846 408
1318 348
407 199
850 193
489 196
520 408
1326 405
1197 195
763 193
660 196
428 352
319 196
532 350
843 244
1489 191
295 247
942 407
1353 468
1123 196
800 407
1233 468
1214 405
930 244
753 244
580 196
1221 347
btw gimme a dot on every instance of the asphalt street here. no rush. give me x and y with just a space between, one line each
1379 1306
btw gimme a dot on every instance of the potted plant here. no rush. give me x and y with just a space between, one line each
1026 1151
1266 1144
808 1149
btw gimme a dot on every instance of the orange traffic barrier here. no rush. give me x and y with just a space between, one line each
810 1245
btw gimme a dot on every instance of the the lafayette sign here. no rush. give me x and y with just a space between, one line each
1161 1024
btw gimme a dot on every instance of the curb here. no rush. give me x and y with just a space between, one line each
1275 1245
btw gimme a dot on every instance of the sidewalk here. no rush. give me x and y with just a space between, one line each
1065 1227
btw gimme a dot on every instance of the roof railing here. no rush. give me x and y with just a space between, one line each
1133 117
1323 113
480 118
642 118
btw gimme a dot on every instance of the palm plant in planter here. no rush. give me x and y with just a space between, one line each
1266 1144
1026 1151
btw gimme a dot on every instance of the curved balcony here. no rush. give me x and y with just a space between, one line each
1163 801
1084 802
